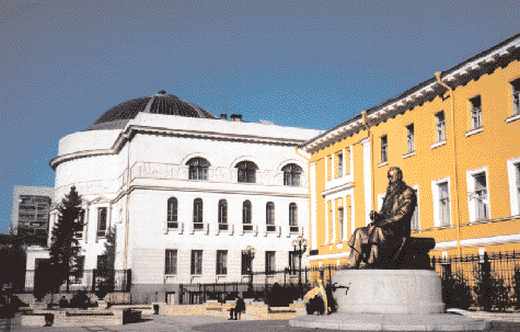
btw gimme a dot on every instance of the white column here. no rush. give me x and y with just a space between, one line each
333 205
326 240
367 175
313 209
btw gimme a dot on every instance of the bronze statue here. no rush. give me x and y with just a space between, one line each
376 245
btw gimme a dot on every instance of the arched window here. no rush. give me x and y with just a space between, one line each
172 212
197 214
222 214
291 175
246 216
269 217
246 171
293 217
198 168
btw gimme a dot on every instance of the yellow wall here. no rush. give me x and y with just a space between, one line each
498 142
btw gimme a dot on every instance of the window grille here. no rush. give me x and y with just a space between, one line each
246 263
339 157
341 223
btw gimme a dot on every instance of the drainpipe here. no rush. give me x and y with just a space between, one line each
455 166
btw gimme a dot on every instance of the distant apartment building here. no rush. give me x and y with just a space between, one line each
31 206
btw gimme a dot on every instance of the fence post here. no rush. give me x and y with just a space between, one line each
306 276
94 272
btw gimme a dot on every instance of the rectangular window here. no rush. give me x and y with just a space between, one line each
222 262
476 112
246 263
410 138
444 204
294 261
102 221
384 148
440 126
270 262
515 89
480 197
170 261
341 223
102 263
339 158
196 262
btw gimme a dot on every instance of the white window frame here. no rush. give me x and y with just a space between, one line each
436 206
514 196
410 138
471 183
515 108
475 113
341 163
440 135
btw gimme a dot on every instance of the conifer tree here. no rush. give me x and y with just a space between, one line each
64 249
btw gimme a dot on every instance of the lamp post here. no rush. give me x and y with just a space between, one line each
250 253
300 246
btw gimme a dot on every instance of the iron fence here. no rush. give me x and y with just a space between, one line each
488 282
87 280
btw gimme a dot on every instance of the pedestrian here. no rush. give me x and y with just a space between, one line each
240 307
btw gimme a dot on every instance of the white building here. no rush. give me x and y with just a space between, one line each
185 192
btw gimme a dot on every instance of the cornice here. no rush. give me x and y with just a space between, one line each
458 75
131 130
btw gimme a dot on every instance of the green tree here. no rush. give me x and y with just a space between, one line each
64 248
105 271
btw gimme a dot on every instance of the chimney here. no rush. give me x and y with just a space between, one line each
223 116
236 117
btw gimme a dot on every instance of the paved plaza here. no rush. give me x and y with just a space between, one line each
171 323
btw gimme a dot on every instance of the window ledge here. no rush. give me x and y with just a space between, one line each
513 117
169 275
474 131
382 164
438 144
409 154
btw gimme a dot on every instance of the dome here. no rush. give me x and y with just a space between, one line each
160 103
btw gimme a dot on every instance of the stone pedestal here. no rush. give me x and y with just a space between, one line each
389 292
389 300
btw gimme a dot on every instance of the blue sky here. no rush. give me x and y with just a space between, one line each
300 63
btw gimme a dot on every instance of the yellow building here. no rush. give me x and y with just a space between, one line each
456 137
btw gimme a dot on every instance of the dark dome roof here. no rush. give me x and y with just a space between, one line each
160 103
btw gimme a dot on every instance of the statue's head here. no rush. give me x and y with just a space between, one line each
395 175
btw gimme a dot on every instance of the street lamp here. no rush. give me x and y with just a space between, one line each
250 254
300 246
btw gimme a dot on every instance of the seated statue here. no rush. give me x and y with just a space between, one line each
375 245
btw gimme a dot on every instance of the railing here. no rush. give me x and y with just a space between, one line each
89 280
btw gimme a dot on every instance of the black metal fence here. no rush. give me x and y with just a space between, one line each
87 280
488 282
288 284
